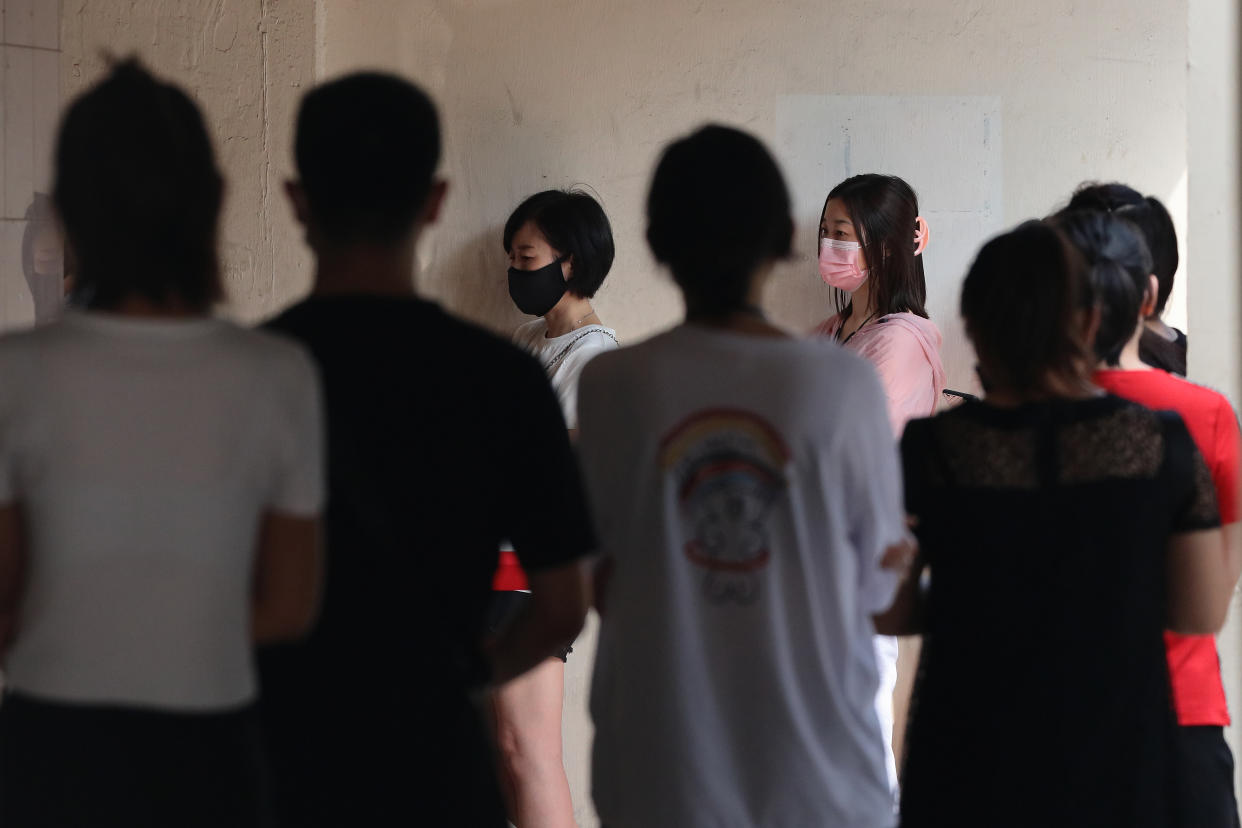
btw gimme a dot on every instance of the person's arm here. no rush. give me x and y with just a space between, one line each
908 378
870 483
287 576
906 615
1197 567
1225 471
12 571
552 619
548 524
288 564
1199 558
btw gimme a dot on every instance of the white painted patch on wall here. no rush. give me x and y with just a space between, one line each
947 148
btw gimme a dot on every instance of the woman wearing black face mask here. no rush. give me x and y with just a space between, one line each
560 248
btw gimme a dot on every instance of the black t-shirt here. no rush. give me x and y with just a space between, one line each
1161 353
443 441
1042 696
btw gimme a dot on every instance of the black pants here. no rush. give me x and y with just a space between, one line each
73 766
1205 796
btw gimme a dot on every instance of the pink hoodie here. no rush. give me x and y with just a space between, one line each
905 350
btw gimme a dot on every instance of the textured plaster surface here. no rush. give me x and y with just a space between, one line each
561 92
246 63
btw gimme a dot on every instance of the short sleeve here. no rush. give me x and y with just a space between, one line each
873 492
298 477
907 376
546 516
1195 506
1224 462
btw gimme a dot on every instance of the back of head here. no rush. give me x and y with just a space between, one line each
367 148
717 212
1119 268
1156 226
1152 220
1020 301
138 193
574 225
884 209
1105 196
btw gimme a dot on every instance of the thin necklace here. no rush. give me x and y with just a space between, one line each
583 319
856 330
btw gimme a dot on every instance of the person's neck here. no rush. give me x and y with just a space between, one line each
141 307
1130 360
747 319
860 309
371 269
1054 387
569 314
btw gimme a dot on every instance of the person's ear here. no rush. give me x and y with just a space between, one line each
1150 297
430 213
298 200
567 267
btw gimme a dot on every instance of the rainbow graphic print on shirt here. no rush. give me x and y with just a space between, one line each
728 467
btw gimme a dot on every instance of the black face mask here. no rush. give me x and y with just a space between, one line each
535 292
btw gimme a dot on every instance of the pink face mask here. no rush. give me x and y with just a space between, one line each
838 264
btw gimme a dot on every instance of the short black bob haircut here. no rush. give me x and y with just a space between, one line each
138 194
718 211
575 226
1152 219
367 147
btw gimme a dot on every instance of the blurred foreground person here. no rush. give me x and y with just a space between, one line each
160 475
746 488
1063 529
1128 291
374 719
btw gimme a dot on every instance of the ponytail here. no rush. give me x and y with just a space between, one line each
1119 267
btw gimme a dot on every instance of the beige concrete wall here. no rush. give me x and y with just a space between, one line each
29 104
246 62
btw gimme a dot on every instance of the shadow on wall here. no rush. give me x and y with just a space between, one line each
473 283
43 259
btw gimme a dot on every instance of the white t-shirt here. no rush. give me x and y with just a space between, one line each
746 488
144 453
563 357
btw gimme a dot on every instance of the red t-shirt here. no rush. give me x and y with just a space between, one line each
1194 666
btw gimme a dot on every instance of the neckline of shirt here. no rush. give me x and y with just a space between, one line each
114 323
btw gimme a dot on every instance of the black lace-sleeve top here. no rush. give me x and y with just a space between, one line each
1042 696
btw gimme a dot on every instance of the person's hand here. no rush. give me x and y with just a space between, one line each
900 556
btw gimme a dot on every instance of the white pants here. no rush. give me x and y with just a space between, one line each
886 663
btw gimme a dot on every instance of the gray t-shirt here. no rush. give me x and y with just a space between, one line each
144 454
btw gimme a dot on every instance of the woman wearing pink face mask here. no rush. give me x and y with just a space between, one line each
871 241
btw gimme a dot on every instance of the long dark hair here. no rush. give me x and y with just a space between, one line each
1020 303
138 192
883 209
